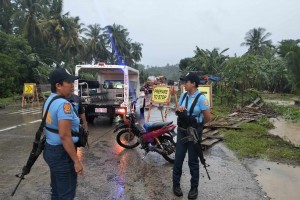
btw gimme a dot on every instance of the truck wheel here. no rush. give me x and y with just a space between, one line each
90 119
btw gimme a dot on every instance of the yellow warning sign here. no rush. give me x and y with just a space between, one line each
29 88
207 91
161 94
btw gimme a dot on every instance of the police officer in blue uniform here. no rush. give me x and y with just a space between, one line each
201 112
60 150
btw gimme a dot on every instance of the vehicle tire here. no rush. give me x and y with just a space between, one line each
90 119
127 139
170 146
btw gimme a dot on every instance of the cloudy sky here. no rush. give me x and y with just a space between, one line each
170 30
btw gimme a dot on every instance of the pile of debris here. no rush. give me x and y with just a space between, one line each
247 114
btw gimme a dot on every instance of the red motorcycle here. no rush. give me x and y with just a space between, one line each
156 137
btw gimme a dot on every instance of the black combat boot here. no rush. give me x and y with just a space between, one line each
193 193
177 190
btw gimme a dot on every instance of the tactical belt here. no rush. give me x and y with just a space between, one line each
198 125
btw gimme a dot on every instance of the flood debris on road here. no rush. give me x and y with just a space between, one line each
246 114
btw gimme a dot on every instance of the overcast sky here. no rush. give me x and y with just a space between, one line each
170 30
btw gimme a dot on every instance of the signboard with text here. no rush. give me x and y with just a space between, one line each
206 90
161 94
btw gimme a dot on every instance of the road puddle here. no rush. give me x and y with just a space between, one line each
279 181
287 130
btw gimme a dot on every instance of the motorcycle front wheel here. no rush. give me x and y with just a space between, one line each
169 146
127 139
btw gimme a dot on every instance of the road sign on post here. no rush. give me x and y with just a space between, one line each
30 93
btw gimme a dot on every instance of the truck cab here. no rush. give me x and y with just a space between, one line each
118 86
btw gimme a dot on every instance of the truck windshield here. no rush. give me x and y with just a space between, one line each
113 84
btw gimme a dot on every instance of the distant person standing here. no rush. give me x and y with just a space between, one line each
79 109
60 148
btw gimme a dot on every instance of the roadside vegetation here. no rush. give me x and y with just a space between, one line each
253 139
8 100
291 113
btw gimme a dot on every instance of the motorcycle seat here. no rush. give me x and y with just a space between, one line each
154 126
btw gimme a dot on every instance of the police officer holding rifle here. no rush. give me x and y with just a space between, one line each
193 111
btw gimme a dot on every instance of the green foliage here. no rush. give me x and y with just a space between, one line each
14 58
171 72
88 76
288 112
184 63
257 40
205 61
290 50
254 141
265 122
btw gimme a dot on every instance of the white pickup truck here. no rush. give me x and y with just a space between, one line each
119 85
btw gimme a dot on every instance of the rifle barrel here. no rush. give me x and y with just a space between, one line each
21 178
206 172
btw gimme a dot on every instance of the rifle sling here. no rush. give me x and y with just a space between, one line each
43 123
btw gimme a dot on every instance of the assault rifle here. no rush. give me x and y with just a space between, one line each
193 137
37 148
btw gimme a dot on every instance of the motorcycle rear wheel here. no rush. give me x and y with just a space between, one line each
170 146
127 139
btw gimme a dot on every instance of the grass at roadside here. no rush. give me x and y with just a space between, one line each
7 100
254 141
288 112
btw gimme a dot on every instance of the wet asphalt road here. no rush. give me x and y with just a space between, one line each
112 172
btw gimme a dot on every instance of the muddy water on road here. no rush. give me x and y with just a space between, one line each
287 130
279 181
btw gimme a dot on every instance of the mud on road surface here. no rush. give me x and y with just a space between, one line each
112 172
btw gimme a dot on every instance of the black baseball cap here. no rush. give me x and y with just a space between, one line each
192 77
61 74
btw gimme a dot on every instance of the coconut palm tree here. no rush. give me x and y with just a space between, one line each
71 42
136 51
116 35
96 43
57 28
28 14
6 10
257 39
209 62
